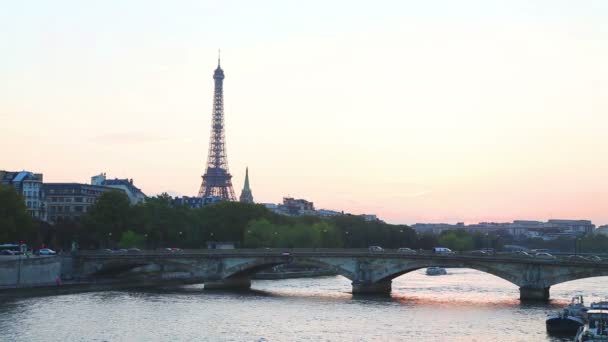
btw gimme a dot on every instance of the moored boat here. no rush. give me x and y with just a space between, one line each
569 320
596 329
434 270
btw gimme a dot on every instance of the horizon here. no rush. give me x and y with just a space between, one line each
474 112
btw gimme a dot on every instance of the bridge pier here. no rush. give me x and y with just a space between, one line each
534 293
229 284
381 287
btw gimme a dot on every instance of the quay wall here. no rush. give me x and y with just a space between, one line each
22 271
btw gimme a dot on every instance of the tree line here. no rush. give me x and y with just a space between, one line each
112 222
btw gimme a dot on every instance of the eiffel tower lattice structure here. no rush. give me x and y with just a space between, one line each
217 180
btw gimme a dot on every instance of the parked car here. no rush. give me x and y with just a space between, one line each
46 251
544 255
375 249
406 250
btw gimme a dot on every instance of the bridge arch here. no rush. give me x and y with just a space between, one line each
251 267
572 276
391 274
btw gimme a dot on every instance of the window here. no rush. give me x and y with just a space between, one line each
29 204
78 208
78 199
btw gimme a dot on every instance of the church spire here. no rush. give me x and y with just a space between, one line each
246 196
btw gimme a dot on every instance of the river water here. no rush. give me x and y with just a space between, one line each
464 305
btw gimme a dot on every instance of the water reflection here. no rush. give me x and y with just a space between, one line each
465 305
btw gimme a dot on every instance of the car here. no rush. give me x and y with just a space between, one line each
406 250
121 250
133 250
375 249
544 255
107 250
491 251
442 250
577 258
480 253
522 254
594 258
285 254
8 252
539 250
46 251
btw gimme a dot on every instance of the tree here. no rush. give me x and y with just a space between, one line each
131 239
458 240
109 217
15 223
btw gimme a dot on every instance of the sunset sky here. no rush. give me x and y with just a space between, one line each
417 111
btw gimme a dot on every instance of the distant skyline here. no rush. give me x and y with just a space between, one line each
437 111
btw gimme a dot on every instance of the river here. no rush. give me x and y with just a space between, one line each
464 305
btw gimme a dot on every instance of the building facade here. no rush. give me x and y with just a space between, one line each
69 201
136 196
29 185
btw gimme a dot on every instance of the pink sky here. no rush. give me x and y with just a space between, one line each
487 111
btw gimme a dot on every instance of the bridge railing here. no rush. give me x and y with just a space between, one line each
273 252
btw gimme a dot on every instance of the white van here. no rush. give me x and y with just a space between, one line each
442 250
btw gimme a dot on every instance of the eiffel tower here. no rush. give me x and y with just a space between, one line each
217 181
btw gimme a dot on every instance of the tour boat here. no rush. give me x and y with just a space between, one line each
569 320
434 270
596 329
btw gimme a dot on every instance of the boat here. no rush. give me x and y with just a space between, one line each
596 329
569 320
435 270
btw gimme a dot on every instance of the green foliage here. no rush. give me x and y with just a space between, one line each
263 233
130 239
109 217
15 222
358 233
457 240
159 223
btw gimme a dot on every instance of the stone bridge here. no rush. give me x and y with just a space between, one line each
370 272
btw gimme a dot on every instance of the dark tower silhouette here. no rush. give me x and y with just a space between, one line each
246 196
217 184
